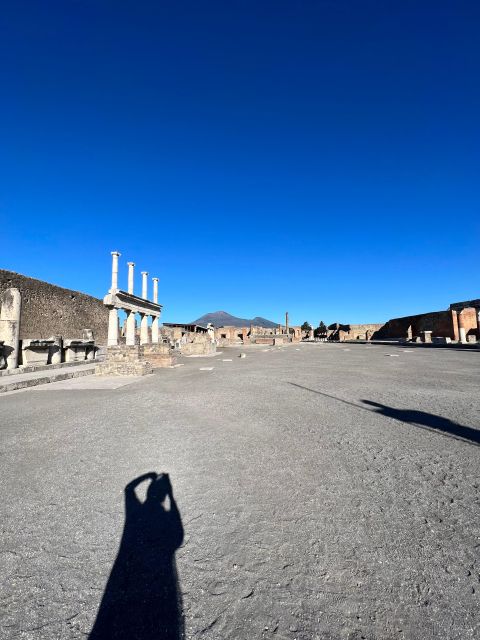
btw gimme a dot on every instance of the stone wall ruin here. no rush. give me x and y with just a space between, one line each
50 310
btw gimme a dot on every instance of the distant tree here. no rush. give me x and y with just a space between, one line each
306 327
321 330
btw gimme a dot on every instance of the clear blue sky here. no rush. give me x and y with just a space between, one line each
320 157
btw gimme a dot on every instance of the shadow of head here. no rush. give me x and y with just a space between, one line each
159 488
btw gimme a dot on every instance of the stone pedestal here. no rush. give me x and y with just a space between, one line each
41 352
124 360
426 336
79 350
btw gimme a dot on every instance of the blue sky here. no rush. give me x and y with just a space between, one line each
318 157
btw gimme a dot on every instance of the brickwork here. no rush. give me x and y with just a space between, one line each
50 310
440 323
470 323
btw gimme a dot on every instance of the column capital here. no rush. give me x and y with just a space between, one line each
155 279
116 253
144 273
131 264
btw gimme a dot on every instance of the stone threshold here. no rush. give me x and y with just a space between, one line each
32 368
35 378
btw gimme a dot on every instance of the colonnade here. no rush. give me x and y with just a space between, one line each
130 303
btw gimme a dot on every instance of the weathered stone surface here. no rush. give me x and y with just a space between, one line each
10 314
48 309
158 355
42 351
124 360
200 348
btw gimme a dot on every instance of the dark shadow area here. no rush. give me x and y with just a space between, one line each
142 599
430 420
422 419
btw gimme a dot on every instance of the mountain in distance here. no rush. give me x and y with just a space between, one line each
224 319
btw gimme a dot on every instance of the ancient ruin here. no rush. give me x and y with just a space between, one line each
10 312
133 354
31 353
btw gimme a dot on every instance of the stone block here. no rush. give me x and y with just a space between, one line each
159 355
41 352
79 350
124 360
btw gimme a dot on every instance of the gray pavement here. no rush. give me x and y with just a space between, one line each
324 491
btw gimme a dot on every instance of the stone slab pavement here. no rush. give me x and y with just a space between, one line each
316 492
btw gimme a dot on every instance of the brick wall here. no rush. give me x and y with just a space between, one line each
441 323
470 321
50 310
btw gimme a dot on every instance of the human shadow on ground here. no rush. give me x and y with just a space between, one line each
422 419
430 420
142 600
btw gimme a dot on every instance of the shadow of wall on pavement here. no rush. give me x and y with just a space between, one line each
142 600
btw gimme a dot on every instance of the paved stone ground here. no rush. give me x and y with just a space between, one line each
326 491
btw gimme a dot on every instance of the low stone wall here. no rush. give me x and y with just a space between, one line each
226 336
158 355
198 348
360 331
50 310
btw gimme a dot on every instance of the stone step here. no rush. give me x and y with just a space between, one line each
34 368
35 378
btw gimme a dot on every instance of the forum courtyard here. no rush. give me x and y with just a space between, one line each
321 490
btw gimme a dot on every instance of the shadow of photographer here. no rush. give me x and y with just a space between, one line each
142 600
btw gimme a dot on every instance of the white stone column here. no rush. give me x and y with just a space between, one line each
131 328
11 306
144 337
115 256
131 265
112 328
156 320
144 284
